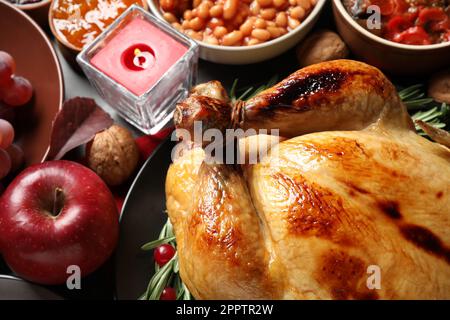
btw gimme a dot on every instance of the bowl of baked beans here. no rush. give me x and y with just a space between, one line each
240 31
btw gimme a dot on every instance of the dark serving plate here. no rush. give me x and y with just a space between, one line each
142 219
12 288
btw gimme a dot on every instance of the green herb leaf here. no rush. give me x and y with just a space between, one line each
424 108
153 244
434 117
187 295
169 230
233 90
160 280
162 234
249 92
167 275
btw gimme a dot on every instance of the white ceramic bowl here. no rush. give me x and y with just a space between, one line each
256 53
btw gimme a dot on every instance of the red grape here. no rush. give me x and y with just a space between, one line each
16 155
163 254
5 163
6 134
168 294
7 68
18 92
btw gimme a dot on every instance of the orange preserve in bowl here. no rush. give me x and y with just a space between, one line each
78 22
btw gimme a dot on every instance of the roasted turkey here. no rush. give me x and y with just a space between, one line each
350 185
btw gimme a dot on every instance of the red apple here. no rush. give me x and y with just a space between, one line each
54 215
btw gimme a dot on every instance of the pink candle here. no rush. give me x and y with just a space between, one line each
138 56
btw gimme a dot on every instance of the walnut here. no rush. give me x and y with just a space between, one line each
320 46
113 155
439 88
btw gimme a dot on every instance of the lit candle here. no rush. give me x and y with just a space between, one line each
138 55
141 67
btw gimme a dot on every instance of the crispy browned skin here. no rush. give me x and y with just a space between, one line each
353 187
337 95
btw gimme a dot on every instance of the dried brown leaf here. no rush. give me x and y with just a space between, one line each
78 121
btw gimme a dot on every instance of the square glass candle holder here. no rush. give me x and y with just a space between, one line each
142 67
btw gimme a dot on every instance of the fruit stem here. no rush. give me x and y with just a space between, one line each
58 202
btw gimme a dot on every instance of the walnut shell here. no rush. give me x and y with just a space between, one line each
323 45
113 155
439 88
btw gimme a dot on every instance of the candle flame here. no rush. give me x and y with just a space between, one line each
142 59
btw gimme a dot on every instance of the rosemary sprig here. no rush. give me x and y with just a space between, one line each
414 97
159 281
250 92
153 244
168 275
424 108
432 116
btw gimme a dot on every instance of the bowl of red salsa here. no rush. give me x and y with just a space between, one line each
402 37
